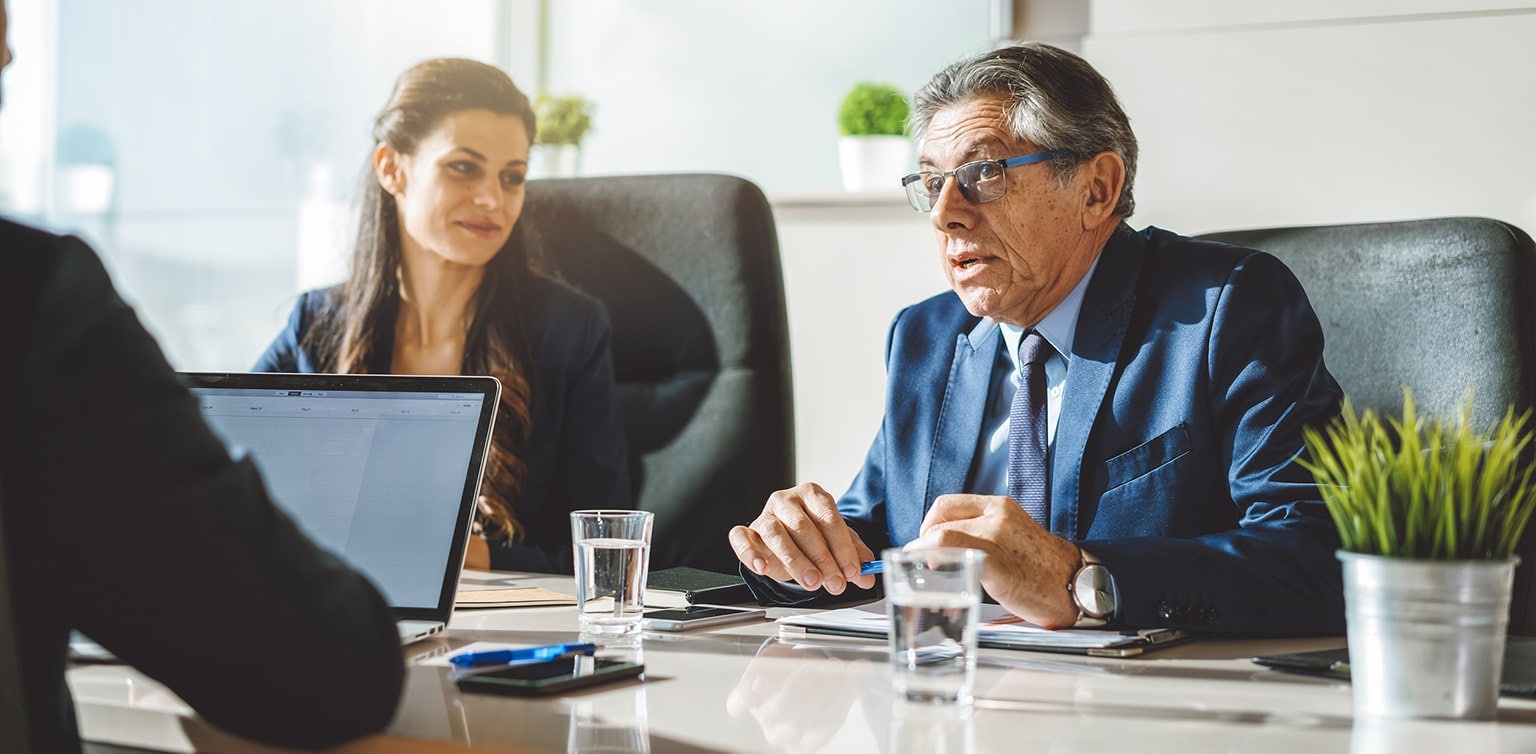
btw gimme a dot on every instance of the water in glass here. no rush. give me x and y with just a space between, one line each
933 644
610 584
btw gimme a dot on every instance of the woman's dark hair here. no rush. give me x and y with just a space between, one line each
357 325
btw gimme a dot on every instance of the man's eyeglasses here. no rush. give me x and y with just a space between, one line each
980 181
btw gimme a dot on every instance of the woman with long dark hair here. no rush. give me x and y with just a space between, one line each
445 279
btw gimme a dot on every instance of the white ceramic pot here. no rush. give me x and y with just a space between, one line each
556 161
1426 637
874 163
85 189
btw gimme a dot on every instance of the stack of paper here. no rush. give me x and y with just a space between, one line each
999 629
493 589
521 596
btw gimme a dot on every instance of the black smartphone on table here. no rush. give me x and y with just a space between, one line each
549 677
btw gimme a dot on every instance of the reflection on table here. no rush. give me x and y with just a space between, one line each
746 687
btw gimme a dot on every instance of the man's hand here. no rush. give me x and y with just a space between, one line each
801 536
1027 568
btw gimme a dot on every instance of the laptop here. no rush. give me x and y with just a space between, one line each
383 470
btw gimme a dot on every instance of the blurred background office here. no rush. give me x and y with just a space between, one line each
211 151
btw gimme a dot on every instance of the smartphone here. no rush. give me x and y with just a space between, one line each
551 677
697 616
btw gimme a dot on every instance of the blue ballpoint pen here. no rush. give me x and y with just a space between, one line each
521 654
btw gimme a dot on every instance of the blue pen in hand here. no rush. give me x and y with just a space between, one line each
521 654
871 566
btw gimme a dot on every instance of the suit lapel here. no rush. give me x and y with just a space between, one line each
1101 325
960 416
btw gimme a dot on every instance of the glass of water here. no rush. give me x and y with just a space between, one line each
933 598
613 553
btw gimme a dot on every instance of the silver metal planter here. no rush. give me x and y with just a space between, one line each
1426 637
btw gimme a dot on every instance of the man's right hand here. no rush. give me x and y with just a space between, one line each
800 536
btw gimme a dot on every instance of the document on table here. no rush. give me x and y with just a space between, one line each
484 589
999 629
518 596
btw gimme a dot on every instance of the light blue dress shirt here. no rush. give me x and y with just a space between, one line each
989 476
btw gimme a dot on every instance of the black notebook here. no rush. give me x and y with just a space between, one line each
700 587
1519 677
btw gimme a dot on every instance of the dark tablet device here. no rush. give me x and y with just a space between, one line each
552 677
1329 662
698 616
1519 677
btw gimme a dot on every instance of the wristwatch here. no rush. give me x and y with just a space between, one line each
1093 591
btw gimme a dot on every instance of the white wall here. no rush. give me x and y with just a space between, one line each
1257 114
748 87
850 263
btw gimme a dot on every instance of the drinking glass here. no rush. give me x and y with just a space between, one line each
613 550
933 597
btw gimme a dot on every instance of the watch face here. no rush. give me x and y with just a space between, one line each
1093 592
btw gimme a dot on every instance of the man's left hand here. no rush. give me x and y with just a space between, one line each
1027 569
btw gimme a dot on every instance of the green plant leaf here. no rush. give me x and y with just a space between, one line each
562 120
873 109
1424 485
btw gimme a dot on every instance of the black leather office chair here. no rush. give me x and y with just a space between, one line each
688 266
1441 305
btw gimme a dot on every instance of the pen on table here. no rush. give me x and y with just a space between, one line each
521 654
871 566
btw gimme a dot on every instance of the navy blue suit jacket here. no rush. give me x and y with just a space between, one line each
575 452
1194 369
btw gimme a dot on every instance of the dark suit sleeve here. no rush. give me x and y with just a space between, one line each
1275 571
147 537
589 467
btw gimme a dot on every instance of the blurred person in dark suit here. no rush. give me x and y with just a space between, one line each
125 518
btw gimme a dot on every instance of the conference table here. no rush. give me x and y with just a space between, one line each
749 687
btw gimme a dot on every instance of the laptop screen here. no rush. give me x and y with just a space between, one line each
382 471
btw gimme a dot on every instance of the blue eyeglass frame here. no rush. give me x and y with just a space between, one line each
1009 162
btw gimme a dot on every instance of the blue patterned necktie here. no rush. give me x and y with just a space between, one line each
1027 431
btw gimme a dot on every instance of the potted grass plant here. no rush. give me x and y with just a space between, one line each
563 122
873 152
1429 511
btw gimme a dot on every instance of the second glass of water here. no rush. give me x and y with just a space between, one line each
933 598
613 549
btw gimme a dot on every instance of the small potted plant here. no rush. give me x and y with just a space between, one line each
1429 511
563 121
873 152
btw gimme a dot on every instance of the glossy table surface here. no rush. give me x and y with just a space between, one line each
745 687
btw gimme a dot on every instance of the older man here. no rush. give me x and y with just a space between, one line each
1112 415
